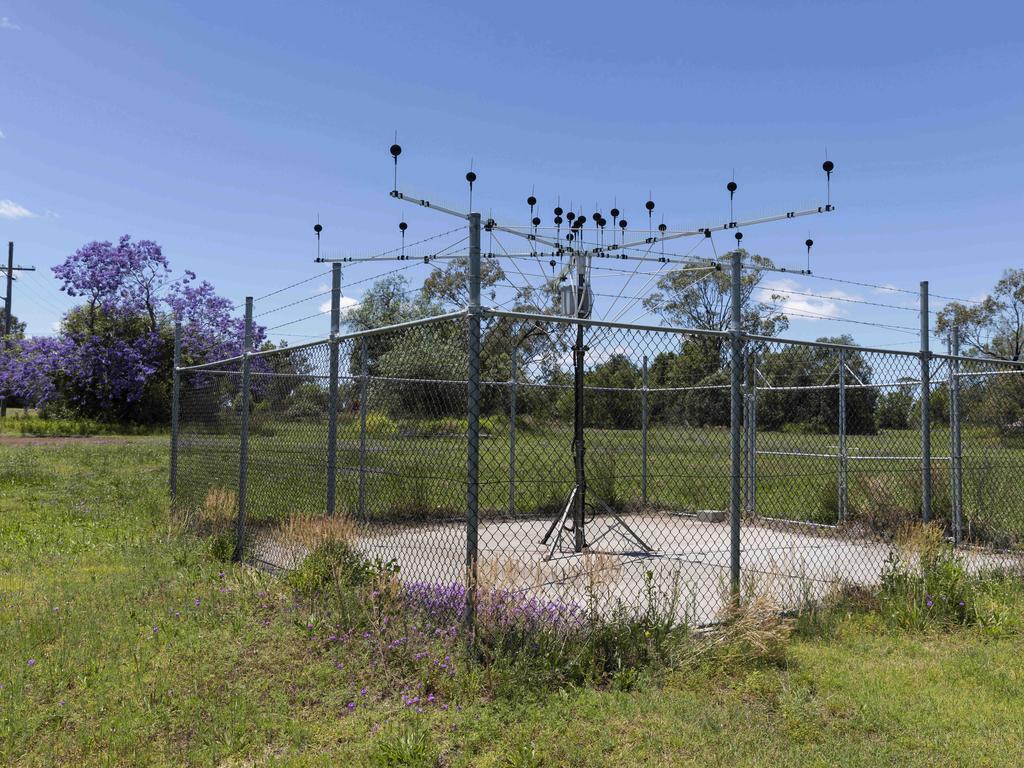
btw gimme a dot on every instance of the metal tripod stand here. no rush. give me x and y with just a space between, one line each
576 504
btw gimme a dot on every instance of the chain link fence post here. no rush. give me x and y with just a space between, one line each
954 434
926 410
243 441
752 480
332 391
735 425
513 380
473 429
644 418
175 410
364 393
843 453
749 431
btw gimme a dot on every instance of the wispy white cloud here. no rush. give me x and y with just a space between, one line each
347 302
887 288
11 210
322 288
3 135
789 297
6 23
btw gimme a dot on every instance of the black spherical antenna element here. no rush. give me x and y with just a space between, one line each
470 177
551 263
403 226
570 216
558 220
536 221
739 236
531 201
649 205
731 186
623 223
581 220
569 237
614 212
318 229
828 166
396 150
558 210
662 227
808 242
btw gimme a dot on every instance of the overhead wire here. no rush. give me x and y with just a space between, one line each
818 316
887 288
848 299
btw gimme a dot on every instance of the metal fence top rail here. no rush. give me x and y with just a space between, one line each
604 323
559 319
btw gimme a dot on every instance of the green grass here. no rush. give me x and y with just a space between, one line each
416 473
150 652
30 423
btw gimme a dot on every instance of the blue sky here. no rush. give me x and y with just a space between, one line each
222 129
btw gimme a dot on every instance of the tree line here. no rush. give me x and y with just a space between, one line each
112 356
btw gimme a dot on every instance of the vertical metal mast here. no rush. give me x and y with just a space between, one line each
579 446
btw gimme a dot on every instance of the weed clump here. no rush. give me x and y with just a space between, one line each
926 583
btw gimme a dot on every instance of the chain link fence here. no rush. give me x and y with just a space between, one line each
492 469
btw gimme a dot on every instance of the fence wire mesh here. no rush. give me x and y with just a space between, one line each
367 437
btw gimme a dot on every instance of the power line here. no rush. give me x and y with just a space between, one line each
289 287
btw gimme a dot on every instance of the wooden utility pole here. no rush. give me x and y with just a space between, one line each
11 269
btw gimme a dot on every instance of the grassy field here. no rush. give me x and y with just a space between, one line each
126 643
416 471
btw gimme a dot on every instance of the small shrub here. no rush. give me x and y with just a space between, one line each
601 474
827 510
215 516
523 756
335 565
406 747
753 632
880 507
222 547
927 584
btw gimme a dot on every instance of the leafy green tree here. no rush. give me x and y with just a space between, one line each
17 326
698 368
807 391
698 299
993 327
613 408
895 409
